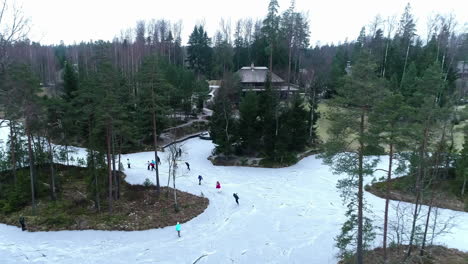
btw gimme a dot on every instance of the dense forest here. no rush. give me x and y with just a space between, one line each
391 92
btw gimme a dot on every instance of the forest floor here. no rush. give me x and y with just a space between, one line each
400 191
137 209
434 255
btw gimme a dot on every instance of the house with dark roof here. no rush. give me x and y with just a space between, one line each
253 79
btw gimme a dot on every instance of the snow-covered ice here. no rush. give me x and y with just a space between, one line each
287 215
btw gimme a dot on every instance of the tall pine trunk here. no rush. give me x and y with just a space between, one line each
109 162
271 60
66 153
385 58
312 113
155 145
170 164
434 174
428 217
418 191
289 68
118 168
53 194
462 193
96 184
13 151
387 200
176 205
95 176
360 191
114 171
31 167
406 62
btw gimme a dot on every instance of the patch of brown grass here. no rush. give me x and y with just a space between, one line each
442 197
137 209
396 255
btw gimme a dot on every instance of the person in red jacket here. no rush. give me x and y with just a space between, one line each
218 186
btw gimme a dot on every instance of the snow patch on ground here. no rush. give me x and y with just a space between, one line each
287 215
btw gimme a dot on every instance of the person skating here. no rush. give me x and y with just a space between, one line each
200 178
177 228
218 186
148 164
188 165
152 164
236 197
128 163
180 152
22 223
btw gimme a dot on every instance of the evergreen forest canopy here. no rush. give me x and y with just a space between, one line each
113 97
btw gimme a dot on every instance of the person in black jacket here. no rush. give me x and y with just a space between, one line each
236 197
22 223
200 178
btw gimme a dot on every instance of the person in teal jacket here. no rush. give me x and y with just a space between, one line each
177 228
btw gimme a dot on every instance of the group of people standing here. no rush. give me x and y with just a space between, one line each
152 164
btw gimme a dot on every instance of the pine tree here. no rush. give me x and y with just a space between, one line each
223 56
52 130
222 125
70 82
387 124
297 126
269 115
199 52
337 70
270 29
109 112
426 110
23 87
249 123
154 88
350 142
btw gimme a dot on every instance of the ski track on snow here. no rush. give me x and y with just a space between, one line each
286 215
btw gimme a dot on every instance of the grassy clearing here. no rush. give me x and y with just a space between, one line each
323 124
402 189
396 255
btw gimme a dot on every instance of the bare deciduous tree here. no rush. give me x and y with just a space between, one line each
14 26
173 158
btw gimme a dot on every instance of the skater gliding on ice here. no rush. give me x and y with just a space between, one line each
218 186
148 164
200 178
188 165
128 163
236 197
177 228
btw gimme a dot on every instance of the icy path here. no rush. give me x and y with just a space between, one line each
288 215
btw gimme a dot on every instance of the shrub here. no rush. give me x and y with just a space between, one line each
148 183
243 161
57 219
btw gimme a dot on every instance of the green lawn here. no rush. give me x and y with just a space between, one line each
323 124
